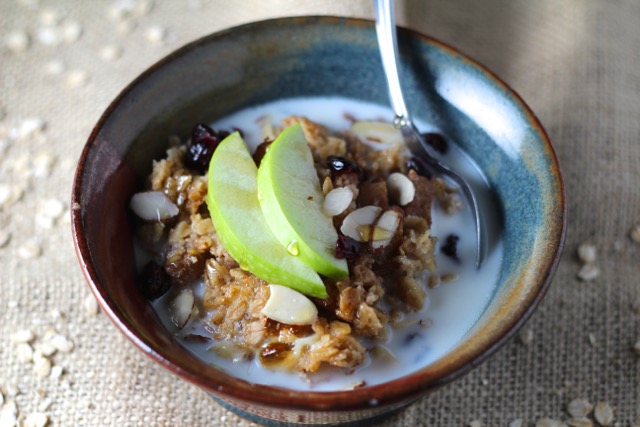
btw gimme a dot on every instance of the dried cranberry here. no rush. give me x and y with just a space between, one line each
340 165
450 246
203 143
437 141
347 248
419 166
154 281
261 150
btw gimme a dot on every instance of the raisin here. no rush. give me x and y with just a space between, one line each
154 281
203 143
347 248
341 165
437 141
261 150
450 246
274 353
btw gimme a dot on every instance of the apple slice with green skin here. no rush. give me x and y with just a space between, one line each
232 199
291 200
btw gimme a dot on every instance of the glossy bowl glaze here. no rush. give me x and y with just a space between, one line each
302 57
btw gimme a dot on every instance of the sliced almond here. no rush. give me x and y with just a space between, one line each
337 201
378 135
401 189
388 222
182 307
358 223
289 307
153 206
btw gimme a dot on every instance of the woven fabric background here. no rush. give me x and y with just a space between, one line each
575 62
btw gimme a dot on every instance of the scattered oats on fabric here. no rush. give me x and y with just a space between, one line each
579 422
526 336
634 234
579 407
77 79
111 53
24 352
36 419
156 34
55 67
588 272
548 422
587 253
29 250
603 414
71 31
5 237
23 336
17 41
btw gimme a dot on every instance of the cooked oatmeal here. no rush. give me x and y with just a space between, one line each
387 278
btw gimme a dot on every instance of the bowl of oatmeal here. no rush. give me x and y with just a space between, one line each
247 216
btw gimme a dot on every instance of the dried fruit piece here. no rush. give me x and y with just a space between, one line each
347 248
450 246
289 307
437 141
201 147
153 281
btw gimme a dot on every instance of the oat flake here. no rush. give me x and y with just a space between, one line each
54 68
24 352
634 234
36 419
603 413
17 41
516 423
62 343
526 336
636 348
90 306
111 53
580 407
77 79
41 366
155 34
23 336
587 253
475 423
580 422
71 31
29 250
547 422
588 272
5 236
56 372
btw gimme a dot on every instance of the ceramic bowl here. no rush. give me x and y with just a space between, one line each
303 57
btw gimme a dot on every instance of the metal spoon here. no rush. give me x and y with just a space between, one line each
386 32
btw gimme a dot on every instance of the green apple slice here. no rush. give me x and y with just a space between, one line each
291 200
232 199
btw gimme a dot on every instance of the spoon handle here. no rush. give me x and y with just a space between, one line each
386 32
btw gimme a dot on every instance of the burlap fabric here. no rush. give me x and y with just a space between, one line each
577 64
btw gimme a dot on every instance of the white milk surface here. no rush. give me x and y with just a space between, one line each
451 309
